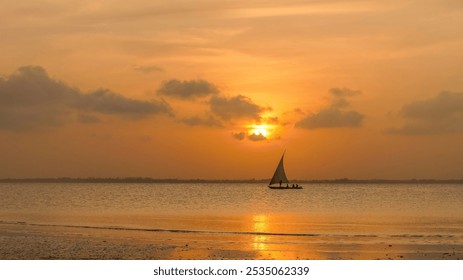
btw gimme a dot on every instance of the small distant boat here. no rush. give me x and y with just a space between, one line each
280 181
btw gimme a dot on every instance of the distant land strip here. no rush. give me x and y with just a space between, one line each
263 181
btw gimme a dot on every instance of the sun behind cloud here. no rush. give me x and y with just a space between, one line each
260 129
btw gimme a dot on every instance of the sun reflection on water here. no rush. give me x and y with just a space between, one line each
260 225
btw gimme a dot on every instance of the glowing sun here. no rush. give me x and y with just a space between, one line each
260 129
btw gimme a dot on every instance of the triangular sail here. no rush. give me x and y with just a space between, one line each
279 176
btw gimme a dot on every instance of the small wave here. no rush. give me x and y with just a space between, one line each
192 231
160 229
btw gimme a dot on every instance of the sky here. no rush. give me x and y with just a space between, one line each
220 89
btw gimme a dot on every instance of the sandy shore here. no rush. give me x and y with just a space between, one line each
25 241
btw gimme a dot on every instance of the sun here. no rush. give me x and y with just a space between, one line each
260 129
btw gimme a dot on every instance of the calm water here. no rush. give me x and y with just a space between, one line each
325 209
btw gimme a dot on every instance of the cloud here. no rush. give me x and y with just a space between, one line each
148 69
28 117
187 89
331 117
335 115
198 121
440 114
256 137
221 110
252 137
344 92
106 102
30 98
239 135
236 107
311 9
271 120
444 106
84 118
31 86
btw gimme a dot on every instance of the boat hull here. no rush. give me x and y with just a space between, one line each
285 188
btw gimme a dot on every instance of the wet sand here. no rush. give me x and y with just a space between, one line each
25 241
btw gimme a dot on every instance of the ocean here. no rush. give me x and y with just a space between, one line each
329 220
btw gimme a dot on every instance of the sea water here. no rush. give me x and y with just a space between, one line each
349 214
409 205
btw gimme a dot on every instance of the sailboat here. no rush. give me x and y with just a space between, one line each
279 180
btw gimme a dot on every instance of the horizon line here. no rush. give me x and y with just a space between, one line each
201 180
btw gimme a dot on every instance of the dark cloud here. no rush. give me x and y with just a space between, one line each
335 115
31 86
297 111
30 98
271 120
187 89
344 92
236 107
440 114
331 117
252 137
29 117
256 137
239 135
444 106
198 121
107 102
221 110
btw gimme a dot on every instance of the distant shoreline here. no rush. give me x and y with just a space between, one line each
264 181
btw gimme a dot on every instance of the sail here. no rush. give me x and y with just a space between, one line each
279 175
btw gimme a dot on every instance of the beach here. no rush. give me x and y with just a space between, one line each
224 221
21 241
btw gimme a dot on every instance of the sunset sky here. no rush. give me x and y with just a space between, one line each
219 89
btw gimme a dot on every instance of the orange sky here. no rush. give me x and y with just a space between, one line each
219 89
